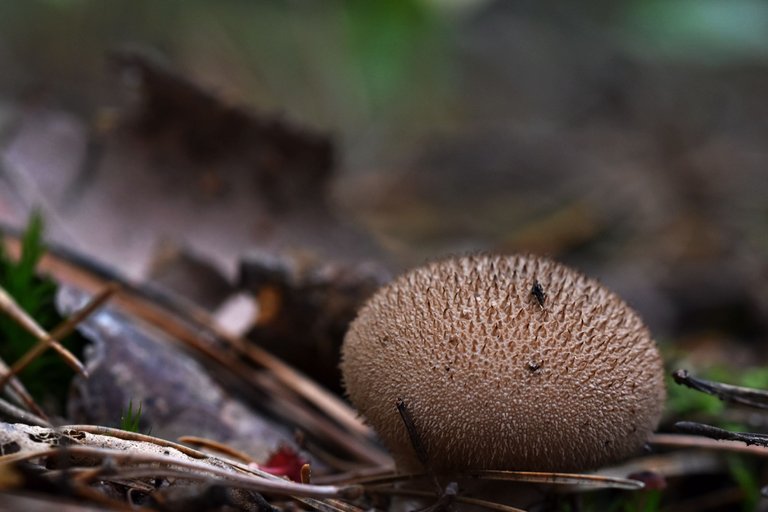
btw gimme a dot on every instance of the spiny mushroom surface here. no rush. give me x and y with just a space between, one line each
504 362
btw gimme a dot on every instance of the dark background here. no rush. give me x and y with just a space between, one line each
626 138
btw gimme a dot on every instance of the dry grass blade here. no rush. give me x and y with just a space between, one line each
728 393
9 410
318 424
695 441
672 463
359 475
63 330
17 392
748 438
582 480
489 505
332 505
587 481
296 411
98 300
221 448
342 466
321 398
45 340
311 391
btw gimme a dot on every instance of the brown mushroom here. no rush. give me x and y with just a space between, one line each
504 362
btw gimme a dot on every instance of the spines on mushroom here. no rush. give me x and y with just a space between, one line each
497 378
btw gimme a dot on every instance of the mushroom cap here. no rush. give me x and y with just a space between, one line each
497 375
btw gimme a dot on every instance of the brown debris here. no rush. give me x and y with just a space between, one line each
189 275
290 166
305 309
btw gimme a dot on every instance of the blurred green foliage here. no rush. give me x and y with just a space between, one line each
705 31
387 42
636 501
360 69
374 73
744 472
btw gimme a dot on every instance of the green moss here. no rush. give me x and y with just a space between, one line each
129 420
47 378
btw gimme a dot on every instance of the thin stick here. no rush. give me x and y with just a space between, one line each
688 441
9 410
413 433
202 442
9 306
725 392
584 480
418 446
748 438
63 330
359 475
305 387
341 466
19 393
46 340
294 380
69 324
294 410
593 481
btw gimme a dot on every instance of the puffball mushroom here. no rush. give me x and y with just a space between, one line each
504 362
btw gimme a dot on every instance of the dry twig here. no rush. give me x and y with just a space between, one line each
45 340
728 393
